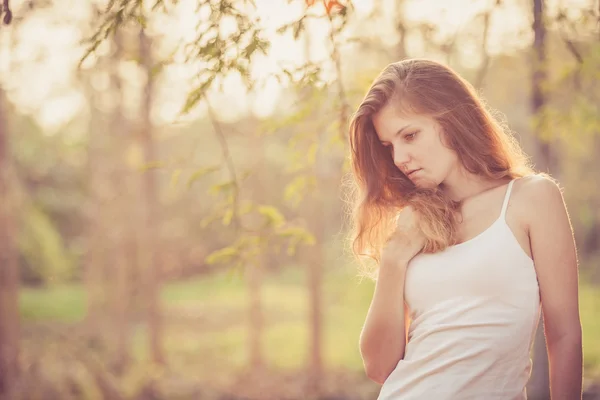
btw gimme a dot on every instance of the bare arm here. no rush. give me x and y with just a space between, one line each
555 257
383 337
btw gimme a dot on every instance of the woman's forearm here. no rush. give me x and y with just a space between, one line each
383 337
566 368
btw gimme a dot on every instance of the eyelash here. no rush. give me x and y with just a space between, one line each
408 136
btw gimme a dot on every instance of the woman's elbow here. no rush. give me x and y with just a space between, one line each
379 362
377 373
377 377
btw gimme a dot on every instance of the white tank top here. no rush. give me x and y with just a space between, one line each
474 309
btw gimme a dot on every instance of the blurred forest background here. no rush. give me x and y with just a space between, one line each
172 182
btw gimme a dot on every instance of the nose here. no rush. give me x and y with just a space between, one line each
401 157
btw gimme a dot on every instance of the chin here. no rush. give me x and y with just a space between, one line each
426 183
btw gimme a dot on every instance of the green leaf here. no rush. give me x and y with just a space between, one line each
222 256
222 187
273 216
206 221
196 95
298 28
311 155
152 165
296 236
175 177
227 217
199 173
246 208
297 233
296 190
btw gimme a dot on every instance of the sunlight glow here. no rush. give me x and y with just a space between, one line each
42 66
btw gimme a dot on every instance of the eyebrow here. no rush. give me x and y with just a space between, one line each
398 132
401 129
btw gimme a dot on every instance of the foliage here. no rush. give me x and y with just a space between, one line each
49 172
219 54
263 191
43 249
221 301
216 51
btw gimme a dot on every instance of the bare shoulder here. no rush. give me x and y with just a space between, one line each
537 196
554 254
539 186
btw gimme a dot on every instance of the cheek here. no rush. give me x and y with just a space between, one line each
439 162
433 156
443 156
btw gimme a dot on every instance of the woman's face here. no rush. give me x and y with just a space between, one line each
416 145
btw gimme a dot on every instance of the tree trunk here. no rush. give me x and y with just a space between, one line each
254 276
94 260
9 272
401 53
97 212
538 80
152 228
485 55
315 280
255 273
317 261
118 258
316 256
538 387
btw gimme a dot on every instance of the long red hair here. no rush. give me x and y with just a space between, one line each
484 147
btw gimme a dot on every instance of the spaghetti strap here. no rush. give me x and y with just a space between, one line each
506 199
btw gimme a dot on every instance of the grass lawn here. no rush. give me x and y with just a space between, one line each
206 320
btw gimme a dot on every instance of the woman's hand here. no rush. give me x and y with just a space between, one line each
405 243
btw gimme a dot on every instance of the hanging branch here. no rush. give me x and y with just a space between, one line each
116 14
219 54
334 10
562 17
229 164
337 61
571 47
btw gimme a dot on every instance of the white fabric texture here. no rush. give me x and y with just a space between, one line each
474 308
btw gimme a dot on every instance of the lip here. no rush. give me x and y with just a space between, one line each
409 173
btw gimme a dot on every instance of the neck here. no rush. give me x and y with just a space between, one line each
461 185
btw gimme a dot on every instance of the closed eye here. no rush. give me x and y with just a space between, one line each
410 136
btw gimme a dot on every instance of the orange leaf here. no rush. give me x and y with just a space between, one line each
330 4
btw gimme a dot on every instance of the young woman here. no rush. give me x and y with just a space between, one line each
470 243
